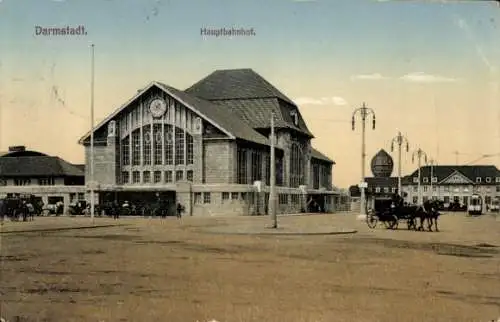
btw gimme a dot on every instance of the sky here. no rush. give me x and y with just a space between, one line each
427 69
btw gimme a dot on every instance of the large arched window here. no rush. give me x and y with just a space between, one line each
146 145
126 150
136 147
157 144
296 165
158 140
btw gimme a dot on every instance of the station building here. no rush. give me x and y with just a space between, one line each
50 178
454 183
208 148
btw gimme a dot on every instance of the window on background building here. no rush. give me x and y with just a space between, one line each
81 196
446 199
243 196
206 197
146 145
465 200
256 165
488 179
242 165
169 177
126 151
487 200
393 190
415 199
125 177
434 188
415 189
146 176
478 179
22 182
189 175
497 179
179 146
386 189
316 175
498 188
415 179
296 165
234 196
136 177
157 177
434 179
136 147
425 188
197 198
190 149
46 181
426 180
225 196
283 199
279 170
179 175
377 189
425 199
169 144
446 188
158 144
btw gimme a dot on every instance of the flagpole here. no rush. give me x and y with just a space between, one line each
92 199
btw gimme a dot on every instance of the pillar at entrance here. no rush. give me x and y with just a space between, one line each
183 196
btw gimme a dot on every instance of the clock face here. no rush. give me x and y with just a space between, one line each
157 107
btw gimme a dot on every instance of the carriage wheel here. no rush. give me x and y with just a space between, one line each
371 220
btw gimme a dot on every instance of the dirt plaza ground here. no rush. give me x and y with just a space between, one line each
171 270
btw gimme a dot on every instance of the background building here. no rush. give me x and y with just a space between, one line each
48 177
208 148
381 186
454 183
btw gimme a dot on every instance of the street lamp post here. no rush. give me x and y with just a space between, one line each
92 200
432 163
399 140
272 173
364 112
419 154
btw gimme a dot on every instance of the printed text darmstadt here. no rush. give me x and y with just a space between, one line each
60 31
227 32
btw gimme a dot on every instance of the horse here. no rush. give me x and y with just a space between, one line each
431 214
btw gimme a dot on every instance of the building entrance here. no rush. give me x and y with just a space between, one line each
142 203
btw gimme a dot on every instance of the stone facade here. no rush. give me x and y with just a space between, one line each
189 153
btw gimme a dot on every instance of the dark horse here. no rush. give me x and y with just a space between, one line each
431 214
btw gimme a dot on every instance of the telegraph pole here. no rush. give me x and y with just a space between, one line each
419 154
364 112
432 163
92 201
399 140
272 172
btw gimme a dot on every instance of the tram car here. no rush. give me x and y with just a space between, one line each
475 205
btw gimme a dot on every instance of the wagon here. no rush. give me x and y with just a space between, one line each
389 213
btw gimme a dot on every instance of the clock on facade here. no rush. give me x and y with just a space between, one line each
158 107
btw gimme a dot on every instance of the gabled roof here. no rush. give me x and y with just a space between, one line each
37 166
471 172
228 84
232 126
382 182
318 155
257 113
251 97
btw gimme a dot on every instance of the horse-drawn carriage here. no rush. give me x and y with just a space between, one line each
17 206
391 211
